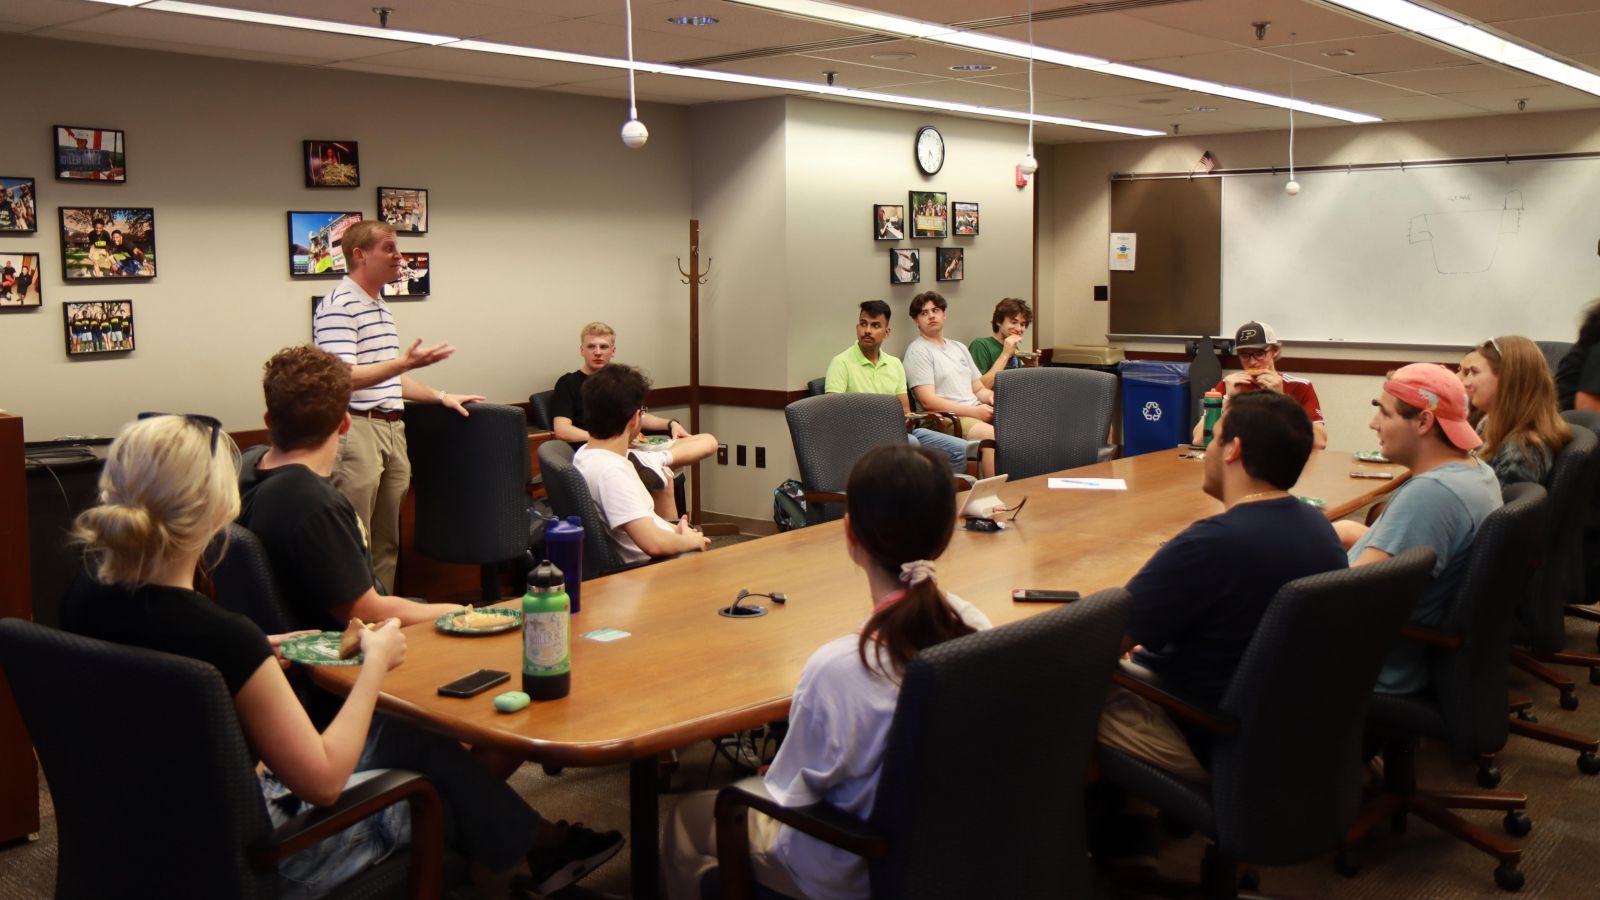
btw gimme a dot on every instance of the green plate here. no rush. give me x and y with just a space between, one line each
1374 456
512 619
1318 502
317 650
652 442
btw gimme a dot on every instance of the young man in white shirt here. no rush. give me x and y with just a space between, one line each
640 525
942 375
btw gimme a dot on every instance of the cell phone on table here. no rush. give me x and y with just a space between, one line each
476 683
1022 596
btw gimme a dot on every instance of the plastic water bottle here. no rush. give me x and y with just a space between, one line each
546 635
1212 403
563 544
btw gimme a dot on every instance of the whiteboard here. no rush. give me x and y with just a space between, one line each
1438 255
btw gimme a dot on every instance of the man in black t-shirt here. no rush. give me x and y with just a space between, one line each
318 548
597 343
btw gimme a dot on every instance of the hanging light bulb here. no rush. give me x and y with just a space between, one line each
634 134
1029 164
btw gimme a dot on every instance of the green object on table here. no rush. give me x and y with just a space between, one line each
1372 456
1318 502
509 619
320 649
1213 411
511 701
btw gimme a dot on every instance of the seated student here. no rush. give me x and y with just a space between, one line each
1258 348
1508 380
865 368
597 344
1197 602
992 354
1422 424
900 513
168 487
941 372
1578 374
640 526
318 548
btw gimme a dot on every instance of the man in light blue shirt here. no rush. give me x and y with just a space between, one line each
1421 423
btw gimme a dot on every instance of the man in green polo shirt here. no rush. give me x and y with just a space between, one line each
865 368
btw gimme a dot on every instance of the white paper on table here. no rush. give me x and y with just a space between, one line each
1088 484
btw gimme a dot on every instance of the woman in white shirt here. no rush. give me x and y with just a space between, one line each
900 510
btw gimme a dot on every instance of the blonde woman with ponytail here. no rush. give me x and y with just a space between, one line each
900 511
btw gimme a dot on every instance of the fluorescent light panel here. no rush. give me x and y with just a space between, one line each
882 23
1451 32
583 59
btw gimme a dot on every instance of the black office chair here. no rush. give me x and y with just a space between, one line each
1205 370
1012 825
539 411
155 789
1466 705
1046 420
1585 607
816 387
830 433
1285 766
569 496
469 475
241 571
1553 352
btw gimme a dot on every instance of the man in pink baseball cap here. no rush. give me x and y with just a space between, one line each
1421 423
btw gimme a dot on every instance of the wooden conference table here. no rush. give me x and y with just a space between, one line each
686 674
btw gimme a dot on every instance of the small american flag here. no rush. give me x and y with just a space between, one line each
1207 162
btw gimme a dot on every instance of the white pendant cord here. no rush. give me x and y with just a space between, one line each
1030 77
1291 108
633 105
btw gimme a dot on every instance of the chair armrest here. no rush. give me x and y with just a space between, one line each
823 496
359 802
822 821
1431 637
1148 685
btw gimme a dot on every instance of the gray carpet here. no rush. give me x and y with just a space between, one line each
1561 858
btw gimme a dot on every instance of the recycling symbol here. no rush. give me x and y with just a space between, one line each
1152 411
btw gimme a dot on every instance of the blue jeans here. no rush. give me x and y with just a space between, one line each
939 442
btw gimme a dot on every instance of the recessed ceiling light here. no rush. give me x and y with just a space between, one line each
892 56
1200 109
1344 51
972 67
693 21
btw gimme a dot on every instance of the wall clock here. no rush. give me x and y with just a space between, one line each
930 150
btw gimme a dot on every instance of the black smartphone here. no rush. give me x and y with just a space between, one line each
476 683
1022 596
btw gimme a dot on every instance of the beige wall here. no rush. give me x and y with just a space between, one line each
541 221
1078 210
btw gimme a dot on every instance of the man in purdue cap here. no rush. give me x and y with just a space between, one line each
1257 347
1421 421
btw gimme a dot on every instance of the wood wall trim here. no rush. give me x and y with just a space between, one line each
1299 365
19 775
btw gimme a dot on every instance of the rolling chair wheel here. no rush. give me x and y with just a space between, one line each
1345 865
1589 764
1508 877
1569 699
1489 777
1517 823
552 771
1526 716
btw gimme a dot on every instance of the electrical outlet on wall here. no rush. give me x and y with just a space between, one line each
739 454
761 457
722 454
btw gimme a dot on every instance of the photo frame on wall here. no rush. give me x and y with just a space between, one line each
315 300
107 242
888 222
332 164
952 265
90 154
19 208
99 326
314 248
966 218
930 214
414 279
905 265
404 209
20 284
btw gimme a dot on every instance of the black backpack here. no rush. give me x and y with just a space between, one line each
789 506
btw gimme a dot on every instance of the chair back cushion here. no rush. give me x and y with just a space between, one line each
982 787
569 496
1553 352
154 788
1205 370
1300 694
245 581
469 475
832 431
816 387
1046 420
1559 578
539 411
1470 683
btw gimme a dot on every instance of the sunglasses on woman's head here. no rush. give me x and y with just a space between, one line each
196 419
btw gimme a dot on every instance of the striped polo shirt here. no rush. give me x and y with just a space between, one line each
359 330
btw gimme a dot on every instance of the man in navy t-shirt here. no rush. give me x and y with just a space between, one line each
1197 602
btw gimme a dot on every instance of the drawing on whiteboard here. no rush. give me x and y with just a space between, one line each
1465 242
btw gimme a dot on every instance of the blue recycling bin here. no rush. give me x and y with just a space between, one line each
1155 405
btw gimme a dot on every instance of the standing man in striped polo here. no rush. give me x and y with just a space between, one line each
354 324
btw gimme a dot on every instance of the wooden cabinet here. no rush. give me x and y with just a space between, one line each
19 775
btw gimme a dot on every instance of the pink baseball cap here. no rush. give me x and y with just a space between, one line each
1432 387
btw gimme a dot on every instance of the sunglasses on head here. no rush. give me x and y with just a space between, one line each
205 422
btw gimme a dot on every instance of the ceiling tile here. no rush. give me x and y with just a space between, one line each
26 15
375 68
1230 20
1540 98
810 69
588 36
1562 35
667 89
446 61
1241 67
1114 36
1383 53
1073 83
1348 91
928 60
1497 10
1465 77
459 18
744 26
117 40
1420 107
136 28
960 91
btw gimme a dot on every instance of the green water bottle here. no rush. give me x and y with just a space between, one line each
1212 403
546 635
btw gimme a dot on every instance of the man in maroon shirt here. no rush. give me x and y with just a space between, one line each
1258 347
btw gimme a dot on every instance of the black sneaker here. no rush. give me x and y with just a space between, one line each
581 852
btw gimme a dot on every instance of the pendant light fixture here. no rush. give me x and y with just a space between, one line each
1029 164
634 134
1293 187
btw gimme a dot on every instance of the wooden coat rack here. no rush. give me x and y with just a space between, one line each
694 278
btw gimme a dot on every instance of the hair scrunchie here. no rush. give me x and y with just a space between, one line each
916 571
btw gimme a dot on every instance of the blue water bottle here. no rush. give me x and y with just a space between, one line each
563 544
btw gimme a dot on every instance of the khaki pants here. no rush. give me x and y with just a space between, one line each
1144 731
373 472
689 848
